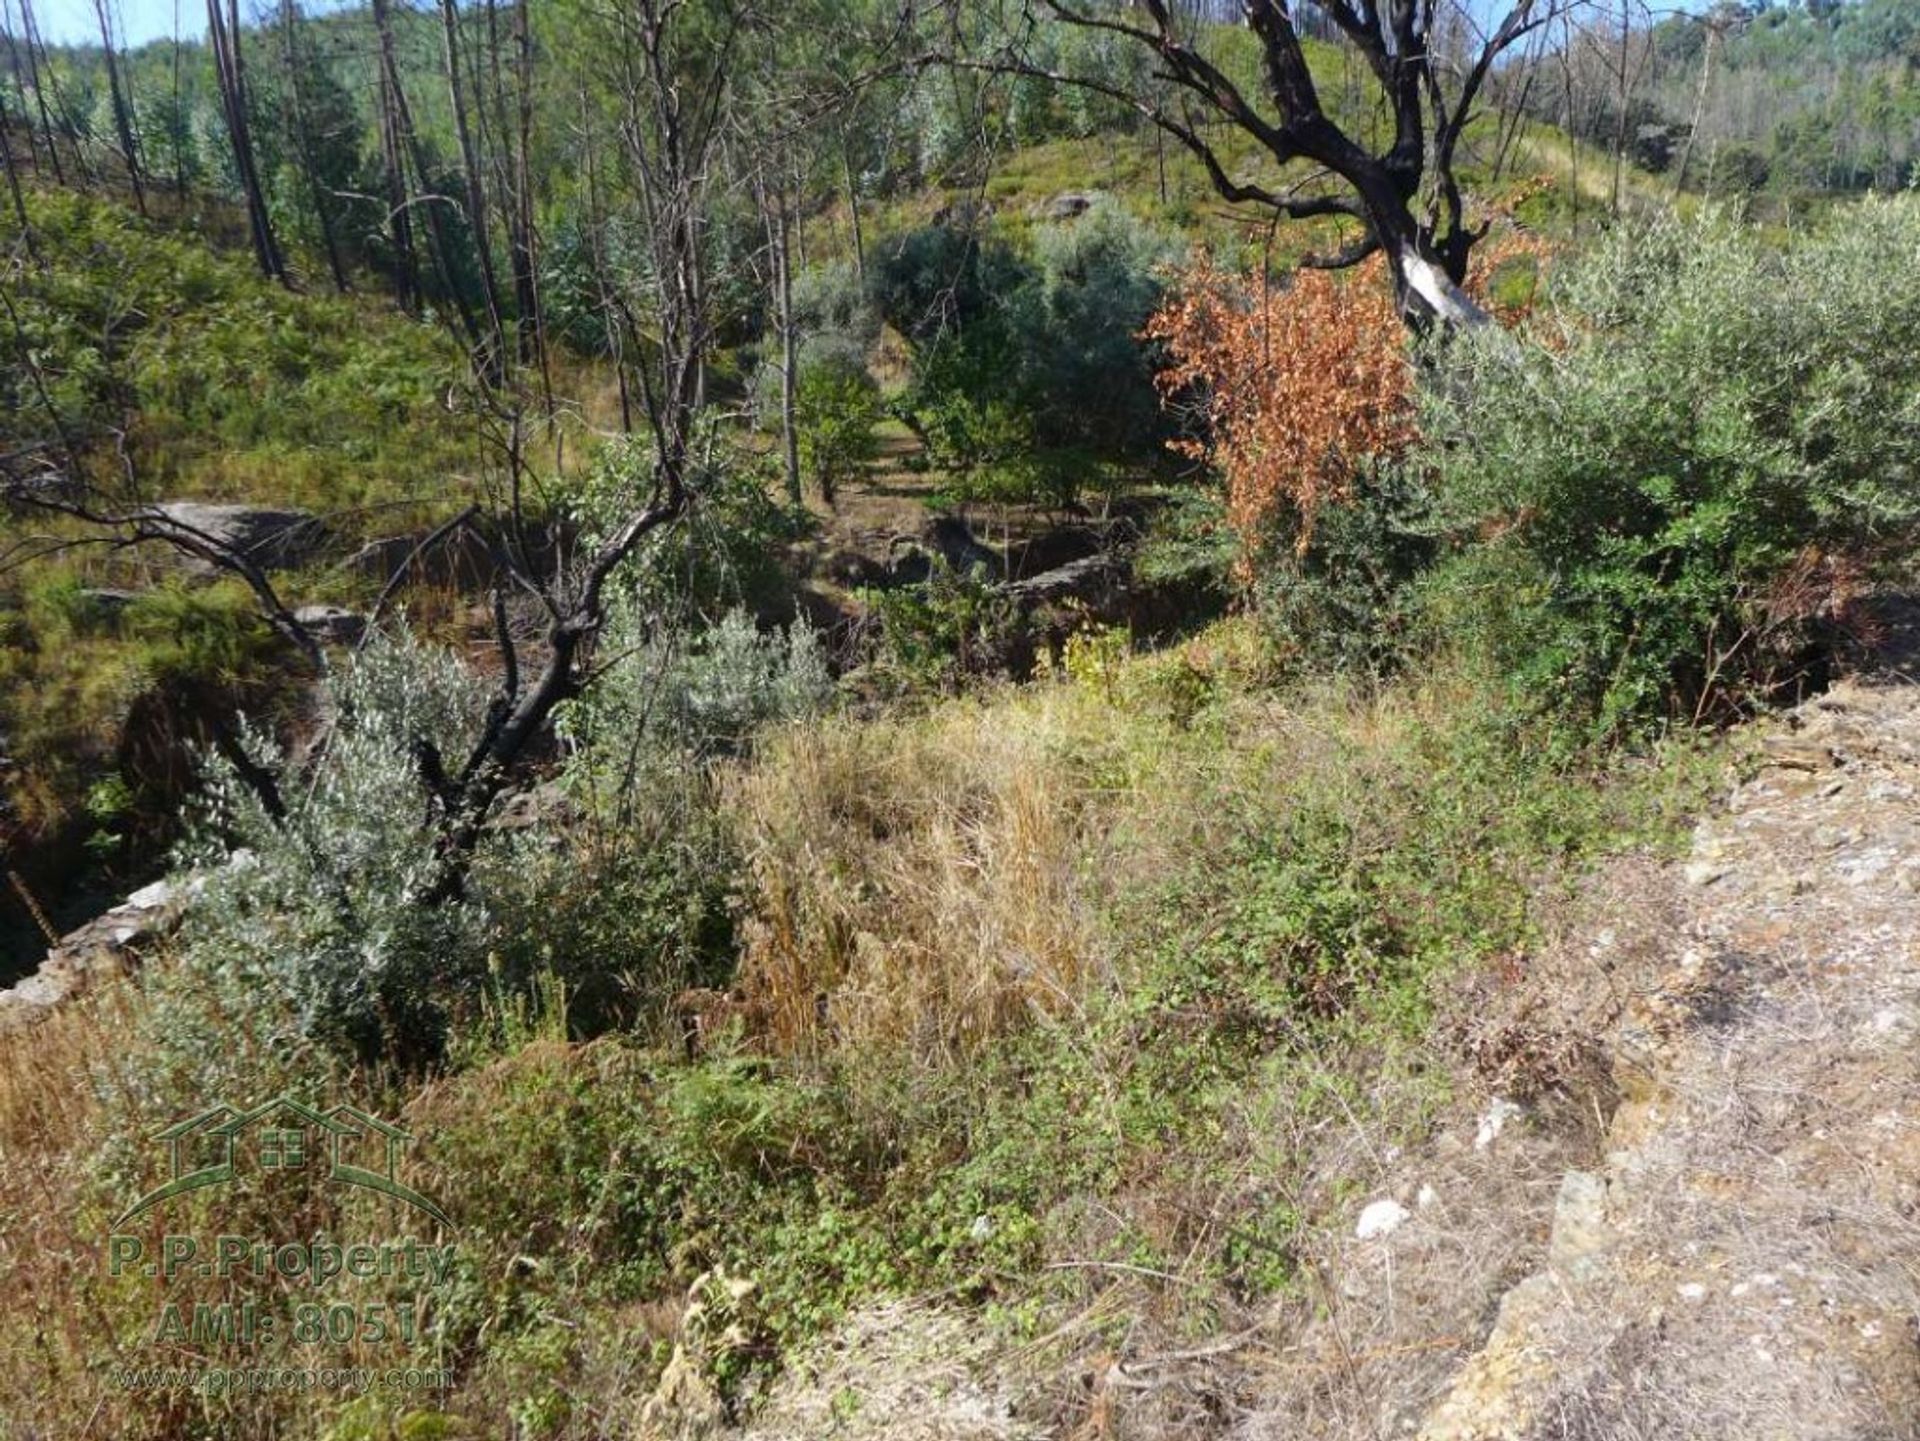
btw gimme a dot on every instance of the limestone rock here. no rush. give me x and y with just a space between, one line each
273 539
1380 1219
1070 204
332 624
106 946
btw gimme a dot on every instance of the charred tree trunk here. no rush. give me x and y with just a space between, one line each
45 83
122 106
478 224
526 283
13 188
19 83
223 33
29 38
408 150
406 271
303 146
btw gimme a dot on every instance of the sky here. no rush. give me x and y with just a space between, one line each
66 21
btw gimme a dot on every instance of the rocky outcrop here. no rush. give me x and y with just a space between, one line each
459 557
945 540
1094 581
1070 204
273 539
1743 1260
332 624
105 947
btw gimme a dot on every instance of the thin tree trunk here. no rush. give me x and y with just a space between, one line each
610 311
406 278
303 143
27 35
1699 109
853 210
13 187
178 118
122 107
477 221
19 83
1572 122
526 270
230 70
409 140
1622 98
36 42
779 232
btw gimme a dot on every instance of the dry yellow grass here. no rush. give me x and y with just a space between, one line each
926 882
921 884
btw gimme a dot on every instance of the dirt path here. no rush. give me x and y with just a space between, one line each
1745 1259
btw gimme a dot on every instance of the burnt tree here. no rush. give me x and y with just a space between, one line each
1430 65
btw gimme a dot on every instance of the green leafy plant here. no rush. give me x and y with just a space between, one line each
1660 491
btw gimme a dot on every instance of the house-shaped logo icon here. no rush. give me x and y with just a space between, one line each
215 1146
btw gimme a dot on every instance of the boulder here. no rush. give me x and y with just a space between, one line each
953 540
460 559
1094 580
964 213
1070 204
850 568
106 946
332 624
270 538
106 601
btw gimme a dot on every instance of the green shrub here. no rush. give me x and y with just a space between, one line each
694 694
1658 492
1028 370
1342 600
837 405
955 627
320 911
725 551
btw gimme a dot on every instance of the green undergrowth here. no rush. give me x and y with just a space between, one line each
159 367
1187 917
1266 967
226 385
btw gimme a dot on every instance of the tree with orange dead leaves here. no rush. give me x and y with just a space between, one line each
1295 389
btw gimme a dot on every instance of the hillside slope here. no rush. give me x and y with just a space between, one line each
1683 1204
1744 1258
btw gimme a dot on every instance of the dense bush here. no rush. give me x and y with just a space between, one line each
725 551
701 694
837 404
1301 391
313 920
1028 369
1663 486
1342 597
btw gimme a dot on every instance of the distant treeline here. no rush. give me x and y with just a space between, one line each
1822 96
